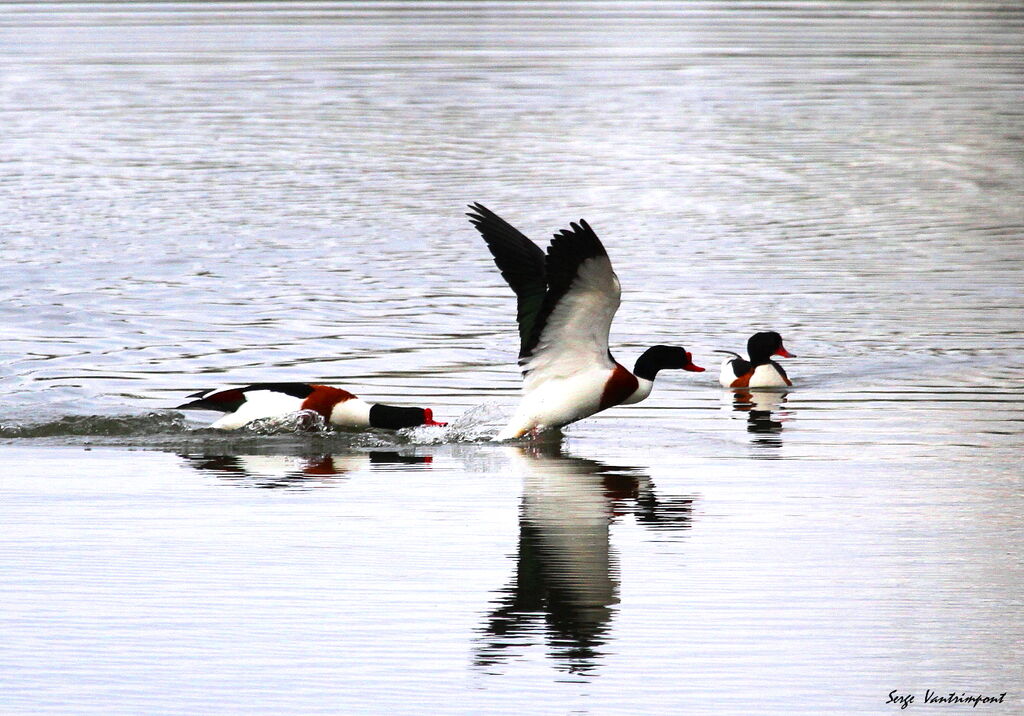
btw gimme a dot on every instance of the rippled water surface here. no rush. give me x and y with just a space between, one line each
224 193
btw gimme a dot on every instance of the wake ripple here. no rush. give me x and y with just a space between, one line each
157 429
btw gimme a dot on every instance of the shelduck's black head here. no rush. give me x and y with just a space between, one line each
393 418
762 346
664 357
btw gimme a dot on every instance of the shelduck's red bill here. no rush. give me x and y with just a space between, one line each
428 418
691 366
784 353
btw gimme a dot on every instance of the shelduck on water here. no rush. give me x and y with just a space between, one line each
275 400
566 302
760 371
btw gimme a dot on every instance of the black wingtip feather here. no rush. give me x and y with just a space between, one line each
479 215
520 261
570 248
203 405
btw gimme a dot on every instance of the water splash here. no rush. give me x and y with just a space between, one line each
478 424
300 422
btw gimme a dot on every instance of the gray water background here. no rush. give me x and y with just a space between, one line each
217 194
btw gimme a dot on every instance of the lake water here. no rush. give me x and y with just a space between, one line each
207 194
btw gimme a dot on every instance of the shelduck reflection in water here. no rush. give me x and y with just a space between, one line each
298 472
765 414
566 581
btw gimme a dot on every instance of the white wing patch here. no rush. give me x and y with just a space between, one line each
575 336
259 404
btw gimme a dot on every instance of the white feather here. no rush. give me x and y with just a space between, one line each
559 401
259 404
767 376
353 413
575 336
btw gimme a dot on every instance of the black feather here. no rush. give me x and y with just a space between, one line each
521 263
567 251
226 401
740 366
782 371
392 418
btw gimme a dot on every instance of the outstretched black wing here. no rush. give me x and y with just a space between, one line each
522 265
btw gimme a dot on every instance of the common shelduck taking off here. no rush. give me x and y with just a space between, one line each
566 302
275 400
760 371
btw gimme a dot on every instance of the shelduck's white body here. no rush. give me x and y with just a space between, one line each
258 405
274 400
263 404
563 400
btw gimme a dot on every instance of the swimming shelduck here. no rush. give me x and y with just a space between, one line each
760 371
566 303
274 400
